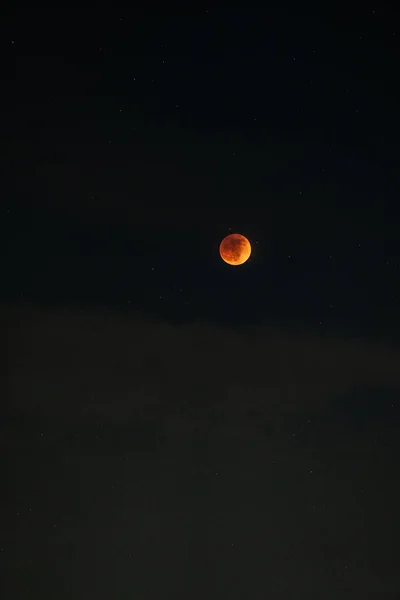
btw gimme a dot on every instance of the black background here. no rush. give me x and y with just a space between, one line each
172 425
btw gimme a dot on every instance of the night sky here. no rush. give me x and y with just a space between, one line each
172 426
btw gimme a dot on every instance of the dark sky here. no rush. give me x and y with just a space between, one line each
172 426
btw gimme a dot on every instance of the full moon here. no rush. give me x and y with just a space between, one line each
235 249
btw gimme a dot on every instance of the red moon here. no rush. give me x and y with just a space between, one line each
235 249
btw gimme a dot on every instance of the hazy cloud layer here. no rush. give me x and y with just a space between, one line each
281 501
77 365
